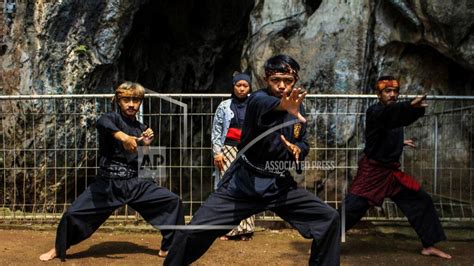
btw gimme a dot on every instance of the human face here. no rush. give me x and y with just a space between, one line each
129 105
241 89
279 82
389 95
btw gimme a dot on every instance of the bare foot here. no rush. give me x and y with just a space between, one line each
162 253
48 255
224 238
432 251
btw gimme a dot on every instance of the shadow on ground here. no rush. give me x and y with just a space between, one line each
270 247
113 250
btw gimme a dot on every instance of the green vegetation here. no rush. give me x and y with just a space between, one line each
81 49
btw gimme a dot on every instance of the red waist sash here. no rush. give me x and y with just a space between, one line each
376 181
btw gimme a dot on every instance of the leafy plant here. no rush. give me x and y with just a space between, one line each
81 49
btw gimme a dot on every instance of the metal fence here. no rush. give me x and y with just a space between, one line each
48 151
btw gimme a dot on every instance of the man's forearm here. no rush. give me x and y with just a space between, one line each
120 136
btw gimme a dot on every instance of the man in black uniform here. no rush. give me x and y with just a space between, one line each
258 180
117 183
379 175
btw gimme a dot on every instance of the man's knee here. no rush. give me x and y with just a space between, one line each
66 216
333 216
327 222
177 202
71 212
425 198
172 198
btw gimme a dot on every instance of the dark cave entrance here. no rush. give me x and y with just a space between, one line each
182 47
185 46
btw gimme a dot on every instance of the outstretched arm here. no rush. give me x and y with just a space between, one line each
399 114
419 101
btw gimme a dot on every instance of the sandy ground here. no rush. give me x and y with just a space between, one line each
270 247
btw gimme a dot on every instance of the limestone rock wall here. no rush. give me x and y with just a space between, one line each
76 47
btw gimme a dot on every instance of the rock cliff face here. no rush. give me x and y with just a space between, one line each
190 46
70 46
89 46
344 45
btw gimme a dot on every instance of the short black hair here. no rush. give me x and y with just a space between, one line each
280 63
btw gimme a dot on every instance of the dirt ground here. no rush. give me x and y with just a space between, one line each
269 247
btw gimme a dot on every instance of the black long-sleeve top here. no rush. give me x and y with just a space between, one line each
113 156
384 130
262 116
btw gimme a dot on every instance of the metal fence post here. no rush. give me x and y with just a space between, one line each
435 163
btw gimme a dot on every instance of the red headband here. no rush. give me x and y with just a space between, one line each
382 84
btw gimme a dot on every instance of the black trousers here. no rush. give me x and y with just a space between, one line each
417 207
229 205
157 205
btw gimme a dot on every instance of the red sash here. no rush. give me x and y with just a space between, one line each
376 181
234 134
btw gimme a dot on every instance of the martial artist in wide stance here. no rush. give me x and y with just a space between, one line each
117 182
379 174
273 139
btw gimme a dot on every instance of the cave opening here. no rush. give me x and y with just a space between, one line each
181 47
184 46
312 5
442 69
